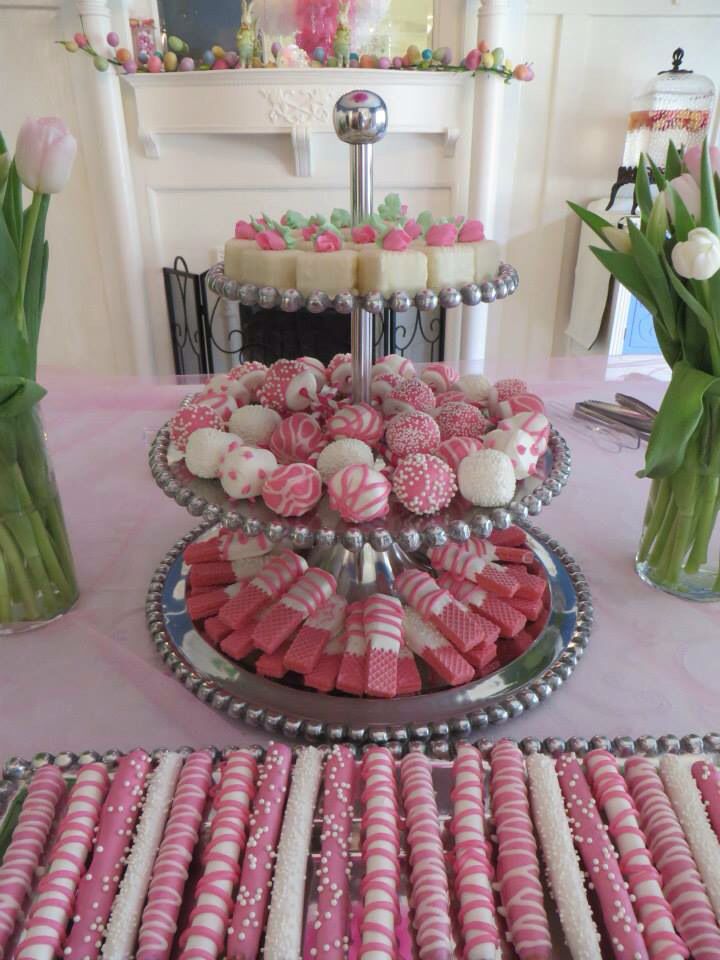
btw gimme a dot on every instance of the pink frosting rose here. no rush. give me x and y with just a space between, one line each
271 240
309 232
472 231
441 235
396 239
244 230
327 242
413 229
364 234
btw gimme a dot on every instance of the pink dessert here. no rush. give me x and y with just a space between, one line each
340 372
454 450
188 419
463 564
427 643
441 235
292 490
465 631
306 595
359 493
408 396
289 386
461 420
351 676
249 377
364 234
440 377
296 439
244 230
276 577
356 421
313 637
423 483
472 231
219 401
708 781
382 622
409 433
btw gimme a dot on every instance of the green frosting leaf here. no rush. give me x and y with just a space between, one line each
340 218
295 220
391 208
425 219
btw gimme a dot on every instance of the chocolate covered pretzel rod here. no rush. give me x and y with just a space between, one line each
22 858
707 778
309 592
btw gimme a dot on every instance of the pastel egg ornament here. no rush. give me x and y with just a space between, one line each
113 39
154 64
186 65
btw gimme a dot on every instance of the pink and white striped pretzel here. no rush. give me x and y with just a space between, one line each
653 910
204 936
498 553
311 639
518 868
707 778
473 873
310 592
45 925
23 856
430 897
170 872
464 629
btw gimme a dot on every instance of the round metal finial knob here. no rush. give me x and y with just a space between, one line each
360 116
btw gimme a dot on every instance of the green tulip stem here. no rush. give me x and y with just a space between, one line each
27 241
706 513
667 521
15 562
5 601
42 538
657 505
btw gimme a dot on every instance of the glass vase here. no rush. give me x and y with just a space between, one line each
37 575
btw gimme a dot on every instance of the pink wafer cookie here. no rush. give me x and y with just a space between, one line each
409 680
312 638
452 618
351 676
216 573
333 889
275 579
430 645
508 620
323 676
99 885
45 925
636 865
531 609
464 565
482 655
473 872
510 537
707 778
671 854
381 856
382 620
170 872
529 585
518 868
248 919
239 644
204 936
272 665
600 859
228 546
200 606
430 897
22 858
313 589
497 552
215 630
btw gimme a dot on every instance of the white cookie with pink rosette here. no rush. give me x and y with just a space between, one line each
519 446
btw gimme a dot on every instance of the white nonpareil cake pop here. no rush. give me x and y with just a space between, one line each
475 387
244 470
205 449
343 453
487 478
254 425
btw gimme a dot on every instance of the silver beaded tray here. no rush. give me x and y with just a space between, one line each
503 285
294 713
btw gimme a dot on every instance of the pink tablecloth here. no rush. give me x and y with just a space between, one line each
93 679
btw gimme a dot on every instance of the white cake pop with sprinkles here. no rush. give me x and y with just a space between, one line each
205 449
254 424
487 478
475 387
343 453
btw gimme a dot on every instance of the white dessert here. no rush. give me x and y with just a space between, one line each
265 268
391 270
487 259
331 272
450 266
234 250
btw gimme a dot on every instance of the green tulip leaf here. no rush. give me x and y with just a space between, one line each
623 267
682 291
709 216
673 162
657 224
642 188
596 223
658 175
9 269
681 218
12 207
650 267
18 394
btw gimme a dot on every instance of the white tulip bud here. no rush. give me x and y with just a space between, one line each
698 258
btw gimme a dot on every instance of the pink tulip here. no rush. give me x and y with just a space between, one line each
689 194
44 154
693 158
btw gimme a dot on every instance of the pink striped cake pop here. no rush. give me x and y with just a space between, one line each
359 493
473 872
382 621
249 378
339 372
296 439
465 630
409 681
383 385
381 856
219 401
407 396
243 470
423 483
351 676
292 490
170 872
430 645
356 421
190 418
204 935
99 885
254 425
707 778
23 856
323 676
509 620
440 377
51 910
636 865
318 370
289 386
461 420
518 446
410 433
534 423
600 859
518 868
306 595
395 364
248 919
520 403
312 638
671 854
276 577
454 451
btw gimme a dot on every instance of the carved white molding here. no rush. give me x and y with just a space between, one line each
452 135
150 144
292 107
302 149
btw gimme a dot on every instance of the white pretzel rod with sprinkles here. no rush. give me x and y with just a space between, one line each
204 936
127 907
283 937
473 873
681 881
684 796
248 919
45 926
430 898
170 873
561 859
23 856
518 868
636 864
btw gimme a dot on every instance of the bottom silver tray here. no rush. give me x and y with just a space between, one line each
294 713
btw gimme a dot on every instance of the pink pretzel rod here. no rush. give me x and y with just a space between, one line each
498 553
464 565
333 889
276 577
170 872
248 919
600 860
462 628
671 854
45 925
707 778
310 592
351 676
653 910
226 547
518 868
509 620
430 897
381 856
204 936
99 885
23 856
473 873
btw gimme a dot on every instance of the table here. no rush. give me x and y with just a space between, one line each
93 680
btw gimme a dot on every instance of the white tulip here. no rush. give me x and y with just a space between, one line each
698 258
44 154
617 238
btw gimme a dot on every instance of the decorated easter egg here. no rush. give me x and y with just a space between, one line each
101 64
442 55
368 61
170 61
80 39
113 39
123 54
427 54
498 56
319 54
143 57
413 55
384 63
130 66
275 48
397 63
231 59
472 59
218 51
154 64
487 60
186 64
176 44
208 58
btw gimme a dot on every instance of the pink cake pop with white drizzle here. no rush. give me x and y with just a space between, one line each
296 439
518 868
410 433
356 421
382 621
339 372
289 386
464 564
277 576
396 364
359 493
671 854
351 676
454 450
51 910
219 401
600 859
532 422
190 418
465 630
204 936
310 592
473 872
246 379
427 643
440 377
253 895
636 865
461 420
430 896
407 396
521 403
381 856
170 872
293 490
423 483
23 856
312 638
707 778
99 885
244 470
